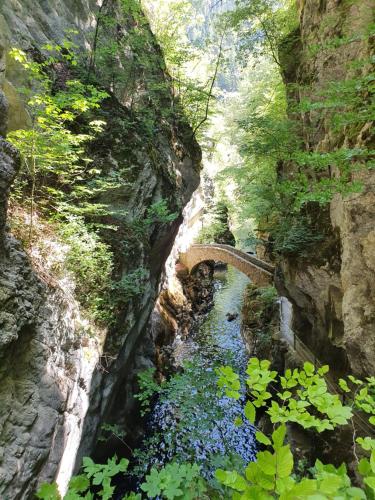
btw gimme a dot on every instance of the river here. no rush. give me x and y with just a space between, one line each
191 421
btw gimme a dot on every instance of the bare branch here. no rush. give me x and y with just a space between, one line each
204 119
95 41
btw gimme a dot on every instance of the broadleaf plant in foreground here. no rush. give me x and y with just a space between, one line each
304 399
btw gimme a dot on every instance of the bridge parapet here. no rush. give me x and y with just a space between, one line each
258 271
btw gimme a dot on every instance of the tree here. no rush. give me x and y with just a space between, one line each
192 60
52 153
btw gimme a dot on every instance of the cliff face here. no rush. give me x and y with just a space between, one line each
333 291
61 375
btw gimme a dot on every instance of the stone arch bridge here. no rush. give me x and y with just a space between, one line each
257 270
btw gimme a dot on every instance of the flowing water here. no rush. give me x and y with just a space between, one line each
191 421
216 338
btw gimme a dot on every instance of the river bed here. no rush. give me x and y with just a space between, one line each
191 421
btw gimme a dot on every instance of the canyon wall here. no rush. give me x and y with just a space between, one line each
62 376
333 289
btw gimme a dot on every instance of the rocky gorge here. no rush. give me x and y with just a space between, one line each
65 373
59 383
332 289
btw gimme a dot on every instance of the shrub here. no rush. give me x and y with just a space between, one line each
294 237
131 285
91 262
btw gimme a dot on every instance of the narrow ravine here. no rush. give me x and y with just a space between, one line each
142 143
190 420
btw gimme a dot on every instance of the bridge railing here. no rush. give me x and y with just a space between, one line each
306 354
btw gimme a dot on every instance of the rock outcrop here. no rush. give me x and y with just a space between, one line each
62 376
260 325
9 165
333 290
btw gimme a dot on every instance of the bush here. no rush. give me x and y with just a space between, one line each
294 237
91 262
268 294
210 233
130 285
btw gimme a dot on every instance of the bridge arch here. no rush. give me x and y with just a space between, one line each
258 271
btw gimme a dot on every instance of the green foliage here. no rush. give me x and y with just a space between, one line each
147 389
192 59
91 262
279 178
269 470
48 492
175 481
229 381
52 153
304 397
159 212
94 476
191 396
109 60
211 232
364 394
125 58
268 295
294 236
271 474
102 474
108 430
131 285
270 477
56 179
263 25
216 227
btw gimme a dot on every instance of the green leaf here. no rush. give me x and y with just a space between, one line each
364 467
48 492
355 493
262 438
267 462
89 466
372 460
231 479
323 370
250 412
252 471
330 484
123 465
370 481
284 484
265 481
152 484
366 443
284 460
278 436
107 490
238 422
309 368
79 483
305 489
343 385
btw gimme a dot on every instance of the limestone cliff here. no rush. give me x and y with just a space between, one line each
333 290
61 375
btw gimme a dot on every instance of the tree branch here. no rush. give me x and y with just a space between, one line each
95 41
204 119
